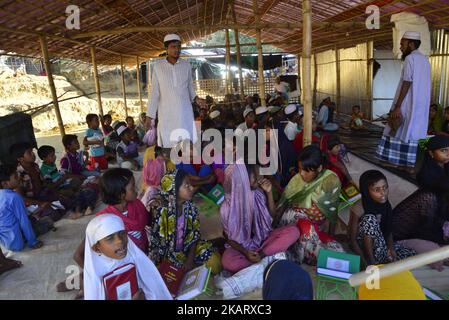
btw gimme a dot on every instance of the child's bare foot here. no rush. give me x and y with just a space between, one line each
75 215
37 245
62 287
9 264
88 211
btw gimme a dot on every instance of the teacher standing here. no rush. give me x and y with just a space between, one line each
171 98
410 110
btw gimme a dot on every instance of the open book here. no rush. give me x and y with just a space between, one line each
121 283
351 193
195 282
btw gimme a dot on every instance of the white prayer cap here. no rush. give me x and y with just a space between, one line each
172 37
261 110
290 109
121 129
214 114
412 35
247 111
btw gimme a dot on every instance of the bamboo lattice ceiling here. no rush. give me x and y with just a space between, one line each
49 17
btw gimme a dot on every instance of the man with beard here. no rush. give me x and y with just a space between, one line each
409 113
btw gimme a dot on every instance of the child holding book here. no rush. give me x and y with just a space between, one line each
371 234
357 117
128 150
107 247
311 201
94 139
15 226
152 173
175 237
247 216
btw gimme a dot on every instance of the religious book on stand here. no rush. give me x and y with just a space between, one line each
195 283
351 193
121 283
337 264
216 195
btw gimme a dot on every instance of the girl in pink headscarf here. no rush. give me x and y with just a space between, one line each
247 215
153 171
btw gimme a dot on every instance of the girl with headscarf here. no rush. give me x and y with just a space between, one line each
176 230
108 248
152 173
286 280
436 119
247 215
311 201
374 234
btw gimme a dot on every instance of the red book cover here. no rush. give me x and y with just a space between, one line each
172 276
121 284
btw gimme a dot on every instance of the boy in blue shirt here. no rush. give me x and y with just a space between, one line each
15 226
94 139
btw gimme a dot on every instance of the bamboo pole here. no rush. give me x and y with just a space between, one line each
306 72
139 89
390 269
369 77
97 80
51 83
239 56
228 62
259 56
338 79
122 67
315 78
149 78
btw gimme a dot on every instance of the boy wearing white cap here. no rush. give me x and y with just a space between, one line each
171 97
294 125
249 123
410 107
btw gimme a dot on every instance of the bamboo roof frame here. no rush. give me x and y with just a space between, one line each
136 28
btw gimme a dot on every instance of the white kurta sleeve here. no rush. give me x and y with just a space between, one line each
153 101
191 89
408 70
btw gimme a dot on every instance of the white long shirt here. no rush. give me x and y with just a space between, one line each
171 99
415 107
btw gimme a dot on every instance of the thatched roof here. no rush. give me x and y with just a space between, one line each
340 23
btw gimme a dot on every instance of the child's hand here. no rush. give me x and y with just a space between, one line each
252 256
139 295
266 185
392 254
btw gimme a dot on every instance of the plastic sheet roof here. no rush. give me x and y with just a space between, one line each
49 17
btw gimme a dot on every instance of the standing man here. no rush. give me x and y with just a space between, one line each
172 95
410 111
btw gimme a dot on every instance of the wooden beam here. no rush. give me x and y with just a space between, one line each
315 79
337 76
239 53
228 62
261 79
212 27
306 70
122 68
97 80
267 6
369 77
51 83
139 89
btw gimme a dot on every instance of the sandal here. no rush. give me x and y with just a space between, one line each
37 245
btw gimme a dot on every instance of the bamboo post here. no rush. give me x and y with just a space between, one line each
315 78
123 85
51 83
239 57
369 78
338 81
149 77
306 72
259 55
139 89
390 269
97 80
228 62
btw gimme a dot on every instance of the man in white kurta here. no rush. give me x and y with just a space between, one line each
411 104
171 97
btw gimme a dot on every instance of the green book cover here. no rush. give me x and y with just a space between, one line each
337 264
